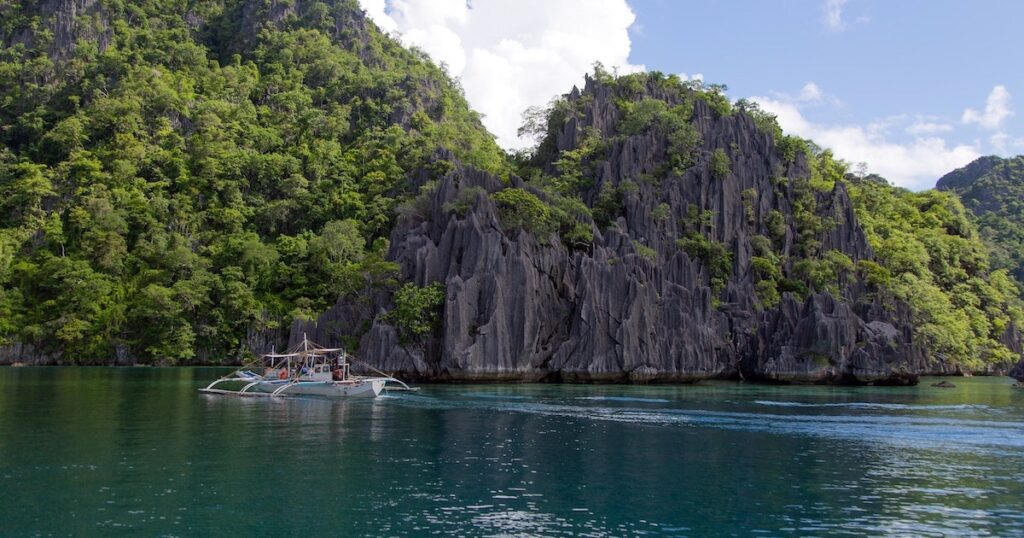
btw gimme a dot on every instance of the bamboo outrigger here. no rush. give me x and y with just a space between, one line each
308 370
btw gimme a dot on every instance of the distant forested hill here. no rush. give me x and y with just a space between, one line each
993 189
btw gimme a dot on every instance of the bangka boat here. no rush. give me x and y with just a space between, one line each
307 370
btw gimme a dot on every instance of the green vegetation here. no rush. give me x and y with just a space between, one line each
670 115
829 273
645 251
571 164
608 205
993 189
417 310
749 197
523 209
929 256
720 164
714 255
543 216
192 182
464 200
660 212
767 269
682 137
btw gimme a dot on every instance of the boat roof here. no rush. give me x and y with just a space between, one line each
303 353
304 349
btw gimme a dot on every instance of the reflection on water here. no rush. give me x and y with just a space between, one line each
138 451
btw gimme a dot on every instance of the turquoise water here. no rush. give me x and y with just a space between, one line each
126 452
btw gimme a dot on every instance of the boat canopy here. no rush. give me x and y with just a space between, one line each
304 349
318 351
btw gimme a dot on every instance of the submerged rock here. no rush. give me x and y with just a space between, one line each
944 385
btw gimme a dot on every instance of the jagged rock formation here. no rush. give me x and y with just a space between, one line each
518 307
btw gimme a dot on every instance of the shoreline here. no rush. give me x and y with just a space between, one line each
562 380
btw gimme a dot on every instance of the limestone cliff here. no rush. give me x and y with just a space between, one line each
522 307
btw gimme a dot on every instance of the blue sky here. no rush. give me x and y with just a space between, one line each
899 70
913 88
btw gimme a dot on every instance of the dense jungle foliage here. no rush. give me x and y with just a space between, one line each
177 175
932 257
993 190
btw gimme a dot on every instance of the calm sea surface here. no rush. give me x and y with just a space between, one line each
126 452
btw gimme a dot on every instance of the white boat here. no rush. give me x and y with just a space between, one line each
308 370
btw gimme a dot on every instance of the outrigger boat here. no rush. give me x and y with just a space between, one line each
308 370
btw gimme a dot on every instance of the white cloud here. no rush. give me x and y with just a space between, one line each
997 109
915 164
810 92
512 55
998 141
925 127
376 10
695 76
833 10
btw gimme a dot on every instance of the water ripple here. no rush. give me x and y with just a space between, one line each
924 432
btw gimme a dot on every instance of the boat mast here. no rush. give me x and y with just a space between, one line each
305 351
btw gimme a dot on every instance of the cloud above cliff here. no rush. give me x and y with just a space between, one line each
512 55
997 110
914 163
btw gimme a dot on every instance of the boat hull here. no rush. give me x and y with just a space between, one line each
367 388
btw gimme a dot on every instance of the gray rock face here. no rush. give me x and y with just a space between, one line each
247 18
520 307
68 21
17 352
1018 371
824 340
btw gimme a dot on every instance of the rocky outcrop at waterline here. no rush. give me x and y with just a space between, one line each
632 305
1018 371
257 341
